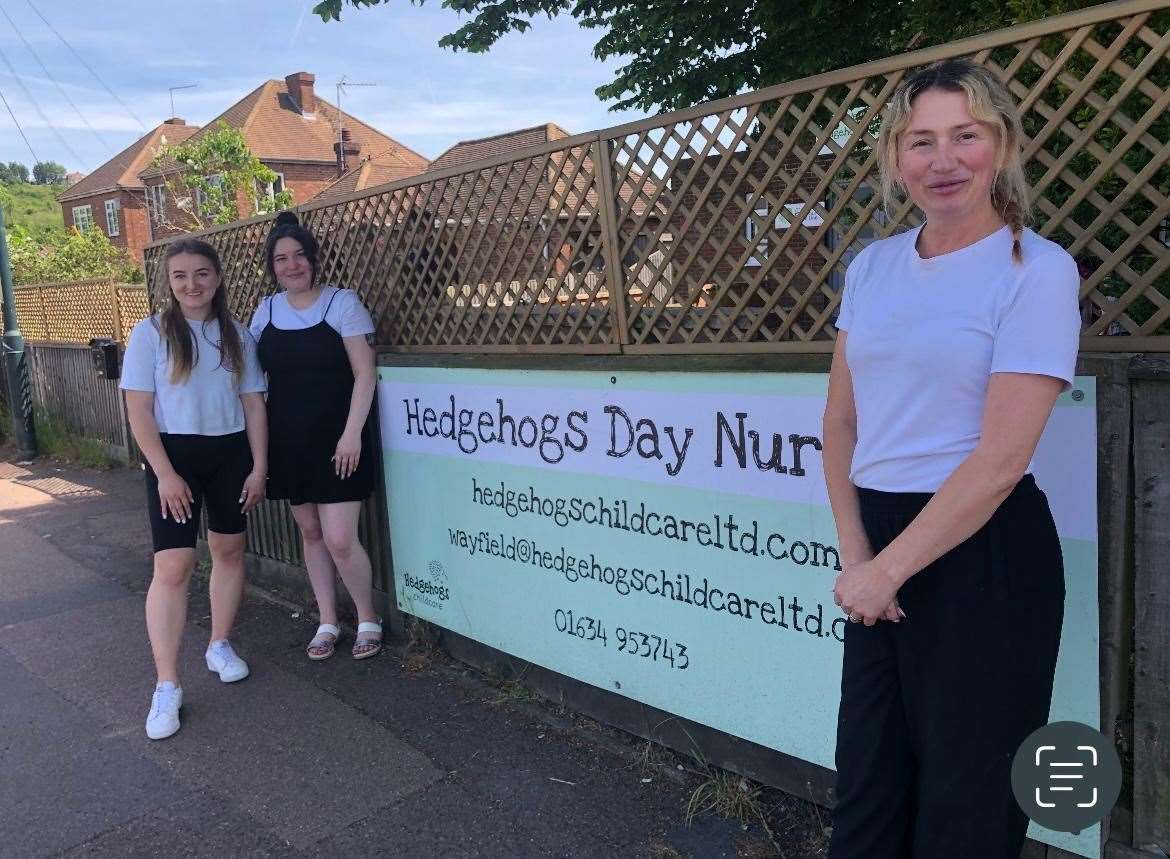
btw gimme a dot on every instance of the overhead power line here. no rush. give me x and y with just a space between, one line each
37 107
88 67
16 122
55 82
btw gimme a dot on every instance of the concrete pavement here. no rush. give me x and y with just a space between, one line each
301 758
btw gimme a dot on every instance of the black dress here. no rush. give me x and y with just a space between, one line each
310 383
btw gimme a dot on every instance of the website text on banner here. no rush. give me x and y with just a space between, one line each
667 536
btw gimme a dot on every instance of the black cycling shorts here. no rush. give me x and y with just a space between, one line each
215 468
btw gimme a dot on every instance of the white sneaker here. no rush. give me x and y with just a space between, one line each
163 720
223 661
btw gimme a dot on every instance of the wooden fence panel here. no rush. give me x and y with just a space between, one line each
728 227
67 389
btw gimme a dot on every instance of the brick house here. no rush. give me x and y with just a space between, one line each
555 192
112 197
724 244
294 133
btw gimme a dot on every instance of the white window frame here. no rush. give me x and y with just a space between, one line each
113 217
269 190
156 203
751 233
83 218
201 199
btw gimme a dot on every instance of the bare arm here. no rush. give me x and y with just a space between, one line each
840 439
256 426
1015 413
1017 410
361 361
174 495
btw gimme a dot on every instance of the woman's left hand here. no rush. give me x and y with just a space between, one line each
865 592
255 488
347 454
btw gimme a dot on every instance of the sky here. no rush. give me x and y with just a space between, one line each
426 97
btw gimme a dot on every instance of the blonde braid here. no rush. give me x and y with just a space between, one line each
1013 214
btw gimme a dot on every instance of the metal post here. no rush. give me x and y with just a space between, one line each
15 366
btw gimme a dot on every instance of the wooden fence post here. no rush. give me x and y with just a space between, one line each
607 198
1151 706
116 312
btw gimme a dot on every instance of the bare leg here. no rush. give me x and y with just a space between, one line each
339 524
166 609
322 573
227 580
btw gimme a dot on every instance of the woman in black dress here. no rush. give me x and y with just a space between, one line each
321 379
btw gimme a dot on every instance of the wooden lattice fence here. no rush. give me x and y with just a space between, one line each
77 311
728 227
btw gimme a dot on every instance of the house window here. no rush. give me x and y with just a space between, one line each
755 235
156 203
113 222
83 218
269 191
215 181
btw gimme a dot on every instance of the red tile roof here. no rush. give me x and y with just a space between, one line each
122 170
499 144
374 170
276 130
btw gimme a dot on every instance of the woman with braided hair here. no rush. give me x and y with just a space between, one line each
955 339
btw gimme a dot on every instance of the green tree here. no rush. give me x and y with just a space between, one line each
48 173
679 54
52 256
13 172
209 175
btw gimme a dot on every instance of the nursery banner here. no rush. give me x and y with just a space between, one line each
667 536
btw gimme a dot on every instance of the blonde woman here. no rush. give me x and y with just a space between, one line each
955 340
195 400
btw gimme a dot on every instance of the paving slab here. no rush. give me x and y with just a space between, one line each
297 759
66 779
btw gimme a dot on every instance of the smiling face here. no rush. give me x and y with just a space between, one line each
947 160
291 266
194 282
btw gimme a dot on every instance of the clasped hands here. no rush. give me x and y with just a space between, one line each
867 593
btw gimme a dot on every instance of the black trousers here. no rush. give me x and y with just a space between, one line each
934 708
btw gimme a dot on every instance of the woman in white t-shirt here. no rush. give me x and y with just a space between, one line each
321 451
195 401
955 340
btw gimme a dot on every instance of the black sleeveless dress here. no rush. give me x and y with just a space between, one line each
310 383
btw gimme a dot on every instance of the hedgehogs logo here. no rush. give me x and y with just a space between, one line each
432 590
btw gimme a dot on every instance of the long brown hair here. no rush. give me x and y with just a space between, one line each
989 101
182 345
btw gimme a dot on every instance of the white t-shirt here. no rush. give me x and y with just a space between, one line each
208 403
345 314
925 335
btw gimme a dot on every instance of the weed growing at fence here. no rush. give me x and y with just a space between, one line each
422 645
57 441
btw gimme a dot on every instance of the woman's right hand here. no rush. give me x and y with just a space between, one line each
175 497
860 555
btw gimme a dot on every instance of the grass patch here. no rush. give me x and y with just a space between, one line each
422 644
33 207
55 440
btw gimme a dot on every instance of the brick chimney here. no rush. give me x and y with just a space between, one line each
347 151
174 120
300 89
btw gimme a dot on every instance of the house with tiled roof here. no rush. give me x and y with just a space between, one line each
113 199
301 137
378 168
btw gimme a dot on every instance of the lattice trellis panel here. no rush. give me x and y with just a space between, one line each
503 256
729 227
77 311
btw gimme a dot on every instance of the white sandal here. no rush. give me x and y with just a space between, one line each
323 641
366 632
